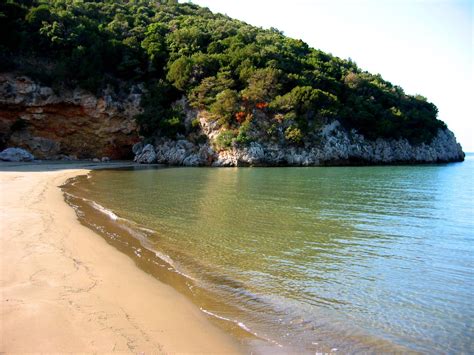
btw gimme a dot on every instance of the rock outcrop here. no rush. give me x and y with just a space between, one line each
146 155
335 146
67 124
74 124
16 155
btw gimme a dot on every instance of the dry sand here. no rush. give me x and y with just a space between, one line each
64 289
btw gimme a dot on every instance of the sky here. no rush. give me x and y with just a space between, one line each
424 46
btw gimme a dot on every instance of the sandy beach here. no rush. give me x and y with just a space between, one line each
64 289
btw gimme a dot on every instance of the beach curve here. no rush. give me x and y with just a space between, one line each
64 289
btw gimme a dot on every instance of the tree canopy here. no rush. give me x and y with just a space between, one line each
222 65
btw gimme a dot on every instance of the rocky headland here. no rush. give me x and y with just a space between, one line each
174 83
75 124
336 147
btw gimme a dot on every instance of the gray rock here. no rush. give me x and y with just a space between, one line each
253 155
96 160
137 148
105 159
16 155
147 155
192 160
332 145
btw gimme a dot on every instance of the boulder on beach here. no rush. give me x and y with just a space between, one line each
16 155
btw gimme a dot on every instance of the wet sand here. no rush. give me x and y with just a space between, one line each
64 289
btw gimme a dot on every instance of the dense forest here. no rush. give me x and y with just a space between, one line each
224 66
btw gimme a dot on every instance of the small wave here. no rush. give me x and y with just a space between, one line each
166 258
241 326
217 316
148 230
67 194
133 229
103 210
92 203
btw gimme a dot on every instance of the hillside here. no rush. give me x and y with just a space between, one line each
195 70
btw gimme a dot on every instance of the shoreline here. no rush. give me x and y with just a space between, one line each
66 290
137 242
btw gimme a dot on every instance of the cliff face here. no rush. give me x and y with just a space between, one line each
335 146
77 124
69 124
331 144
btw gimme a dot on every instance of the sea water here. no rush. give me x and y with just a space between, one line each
320 259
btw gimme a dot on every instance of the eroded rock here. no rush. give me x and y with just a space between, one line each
147 155
16 155
69 122
333 146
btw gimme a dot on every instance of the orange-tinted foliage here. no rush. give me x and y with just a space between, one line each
240 116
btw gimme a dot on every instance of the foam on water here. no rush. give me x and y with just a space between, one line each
104 210
139 232
241 325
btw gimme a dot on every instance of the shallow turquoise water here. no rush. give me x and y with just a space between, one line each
356 259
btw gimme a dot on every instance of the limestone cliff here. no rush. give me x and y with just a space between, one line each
76 124
68 123
331 144
336 146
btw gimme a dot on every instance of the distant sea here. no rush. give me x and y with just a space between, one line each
322 259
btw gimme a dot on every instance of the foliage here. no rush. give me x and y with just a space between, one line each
225 106
224 139
222 65
158 113
294 135
243 136
204 95
306 105
262 85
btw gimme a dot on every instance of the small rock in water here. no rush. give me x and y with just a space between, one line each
105 159
16 155
96 160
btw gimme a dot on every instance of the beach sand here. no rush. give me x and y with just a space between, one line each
64 289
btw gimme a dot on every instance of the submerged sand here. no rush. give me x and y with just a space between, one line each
64 289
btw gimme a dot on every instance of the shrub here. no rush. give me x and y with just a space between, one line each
293 135
196 123
225 106
263 84
224 139
243 134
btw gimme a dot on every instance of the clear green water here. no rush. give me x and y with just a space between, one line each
359 259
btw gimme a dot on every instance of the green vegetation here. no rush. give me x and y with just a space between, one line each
224 66
224 139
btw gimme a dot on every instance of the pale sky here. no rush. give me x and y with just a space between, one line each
425 46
